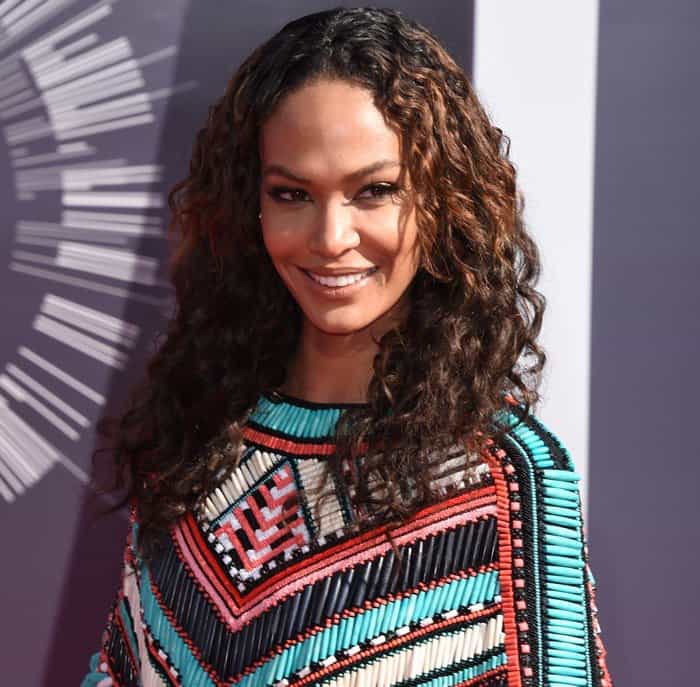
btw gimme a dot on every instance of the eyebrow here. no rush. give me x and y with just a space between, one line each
364 171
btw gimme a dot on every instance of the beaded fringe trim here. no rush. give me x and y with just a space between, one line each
563 652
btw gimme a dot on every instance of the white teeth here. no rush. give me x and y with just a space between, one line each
343 280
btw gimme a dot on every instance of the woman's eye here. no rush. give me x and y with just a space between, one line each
379 191
284 194
278 192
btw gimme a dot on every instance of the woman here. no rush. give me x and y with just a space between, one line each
333 469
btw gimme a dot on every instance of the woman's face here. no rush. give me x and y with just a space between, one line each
343 244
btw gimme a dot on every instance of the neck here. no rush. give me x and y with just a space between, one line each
334 368
330 368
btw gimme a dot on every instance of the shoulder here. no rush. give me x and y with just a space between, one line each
533 471
542 549
535 479
528 440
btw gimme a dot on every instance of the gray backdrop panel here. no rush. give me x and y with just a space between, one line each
644 467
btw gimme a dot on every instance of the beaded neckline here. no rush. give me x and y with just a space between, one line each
297 418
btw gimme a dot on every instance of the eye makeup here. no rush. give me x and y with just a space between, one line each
382 189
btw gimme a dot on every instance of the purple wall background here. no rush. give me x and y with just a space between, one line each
644 467
62 566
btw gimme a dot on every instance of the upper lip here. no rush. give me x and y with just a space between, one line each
324 272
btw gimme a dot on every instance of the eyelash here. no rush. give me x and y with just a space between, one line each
275 192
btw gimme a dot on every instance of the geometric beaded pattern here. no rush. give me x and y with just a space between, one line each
262 527
259 586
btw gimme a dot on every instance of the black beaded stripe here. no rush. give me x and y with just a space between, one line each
425 560
190 608
118 653
446 671
514 456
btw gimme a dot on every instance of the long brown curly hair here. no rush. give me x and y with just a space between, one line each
468 340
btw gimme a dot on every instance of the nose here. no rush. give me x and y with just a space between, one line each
334 232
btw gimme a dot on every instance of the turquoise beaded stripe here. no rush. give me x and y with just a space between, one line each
366 625
95 676
295 420
179 654
566 628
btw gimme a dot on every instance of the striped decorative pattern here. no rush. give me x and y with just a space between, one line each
488 587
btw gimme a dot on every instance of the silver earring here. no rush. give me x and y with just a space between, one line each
260 215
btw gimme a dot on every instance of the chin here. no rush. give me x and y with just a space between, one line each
342 325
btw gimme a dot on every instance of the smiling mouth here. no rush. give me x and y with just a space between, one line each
341 280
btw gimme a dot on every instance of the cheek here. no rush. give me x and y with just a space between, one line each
400 249
280 243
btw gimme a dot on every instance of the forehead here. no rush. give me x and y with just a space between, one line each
327 124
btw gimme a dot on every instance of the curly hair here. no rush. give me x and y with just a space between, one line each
467 343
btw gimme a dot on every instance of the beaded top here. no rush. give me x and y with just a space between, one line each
278 412
266 585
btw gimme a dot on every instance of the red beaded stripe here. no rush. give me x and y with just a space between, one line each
484 677
505 560
605 679
287 445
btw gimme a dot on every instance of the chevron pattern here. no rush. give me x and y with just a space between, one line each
258 587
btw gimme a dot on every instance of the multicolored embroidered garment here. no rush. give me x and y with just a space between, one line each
492 585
